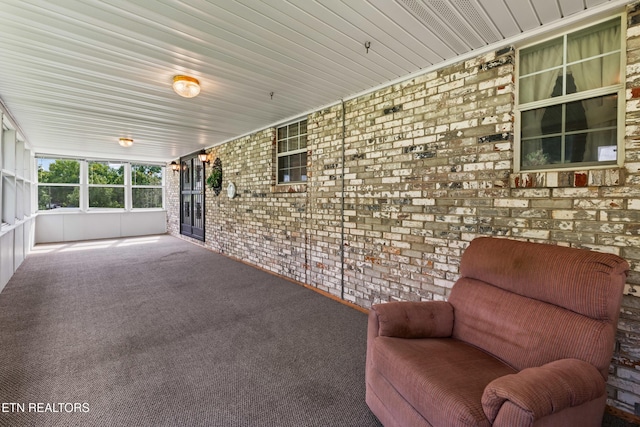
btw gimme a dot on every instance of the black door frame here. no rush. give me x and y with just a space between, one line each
192 206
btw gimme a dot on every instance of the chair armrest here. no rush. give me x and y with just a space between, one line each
522 398
428 319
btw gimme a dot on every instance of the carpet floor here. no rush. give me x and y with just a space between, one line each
155 331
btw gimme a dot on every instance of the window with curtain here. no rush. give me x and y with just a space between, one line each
569 89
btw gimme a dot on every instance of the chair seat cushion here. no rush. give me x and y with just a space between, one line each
442 378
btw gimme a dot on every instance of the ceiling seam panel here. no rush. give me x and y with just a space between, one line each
99 77
571 7
430 20
507 26
547 10
125 79
525 15
370 28
237 62
413 28
331 34
331 67
478 19
451 17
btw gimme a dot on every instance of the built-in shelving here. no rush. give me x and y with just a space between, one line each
17 186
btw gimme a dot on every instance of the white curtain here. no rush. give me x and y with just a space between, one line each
599 72
590 74
537 87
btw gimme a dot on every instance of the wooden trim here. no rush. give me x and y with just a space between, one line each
623 415
333 297
289 279
321 292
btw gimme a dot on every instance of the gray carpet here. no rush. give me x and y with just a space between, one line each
156 331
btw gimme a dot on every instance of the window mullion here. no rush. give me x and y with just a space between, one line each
84 185
564 68
578 96
289 153
127 186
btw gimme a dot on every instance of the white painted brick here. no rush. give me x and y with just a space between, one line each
464 124
531 234
424 202
511 203
478 166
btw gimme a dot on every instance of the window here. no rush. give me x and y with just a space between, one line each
58 183
292 152
146 186
82 184
569 92
106 185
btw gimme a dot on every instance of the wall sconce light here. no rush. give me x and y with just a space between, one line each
175 167
125 142
203 156
186 86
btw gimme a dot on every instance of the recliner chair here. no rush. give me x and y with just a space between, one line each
525 339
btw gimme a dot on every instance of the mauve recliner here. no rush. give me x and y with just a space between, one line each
525 339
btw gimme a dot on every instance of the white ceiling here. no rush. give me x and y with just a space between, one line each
77 75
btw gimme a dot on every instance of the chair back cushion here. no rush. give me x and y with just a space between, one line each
531 303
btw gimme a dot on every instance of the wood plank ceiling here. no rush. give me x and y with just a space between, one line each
78 74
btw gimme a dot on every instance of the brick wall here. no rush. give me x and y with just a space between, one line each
402 179
172 200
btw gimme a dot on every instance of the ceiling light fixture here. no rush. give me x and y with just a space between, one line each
186 86
125 142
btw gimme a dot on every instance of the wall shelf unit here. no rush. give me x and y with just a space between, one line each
17 178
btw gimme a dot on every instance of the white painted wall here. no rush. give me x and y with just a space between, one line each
6 258
15 244
71 226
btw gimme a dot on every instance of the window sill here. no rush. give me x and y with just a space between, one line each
295 187
568 179
58 211
5 227
76 211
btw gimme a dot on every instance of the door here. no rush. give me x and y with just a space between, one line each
192 197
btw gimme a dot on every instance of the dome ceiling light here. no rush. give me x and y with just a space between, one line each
186 86
125 142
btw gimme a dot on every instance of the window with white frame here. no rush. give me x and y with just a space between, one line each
570 94
58 183
82 184
106 184
146 186
292 152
